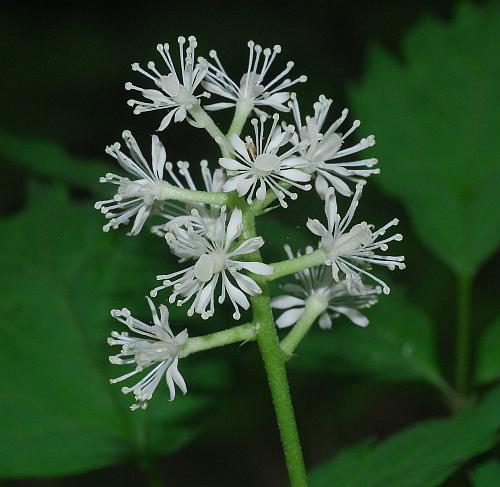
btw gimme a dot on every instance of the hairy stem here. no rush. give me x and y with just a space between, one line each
274 364
286 267
236 334
464 287
314 307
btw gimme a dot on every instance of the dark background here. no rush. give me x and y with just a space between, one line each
63 71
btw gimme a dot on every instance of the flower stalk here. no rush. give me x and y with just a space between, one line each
205 121
236 334
291 266
315 306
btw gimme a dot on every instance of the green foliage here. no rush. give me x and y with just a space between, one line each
398 345
48 159
488 354
486 475
424 454
437 125
60 278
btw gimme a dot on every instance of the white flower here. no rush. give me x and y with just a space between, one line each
252 88
156 347
175 93
216 256
317 283
135 198
351 251
258 166
323 149
178 214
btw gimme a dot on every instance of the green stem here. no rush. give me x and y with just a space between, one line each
171 192
314 307
241 333
204 120
274 363
290 266
464 287
241 113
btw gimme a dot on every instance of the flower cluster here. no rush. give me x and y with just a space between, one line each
206 217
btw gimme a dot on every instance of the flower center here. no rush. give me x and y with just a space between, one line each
170 85
267 163
208 265
248 86
143 188
349 243
148 352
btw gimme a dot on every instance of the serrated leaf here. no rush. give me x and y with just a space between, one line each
436 125
488 354
397 346
425 454
486 475
50 160
60 277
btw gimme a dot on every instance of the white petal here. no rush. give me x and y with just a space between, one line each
247 284
234 227
239 146
248 246
235 294
158 156
284 302
231 164
289 318
218 106
170 84
353 314
166 120
321 186
295 175
325 321
257 268
316 227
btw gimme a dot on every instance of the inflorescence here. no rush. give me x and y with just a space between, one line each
201 214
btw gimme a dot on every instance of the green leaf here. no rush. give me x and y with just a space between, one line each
340 470
398 345
488 355
425 454
437 125
50 160
486 475
60 277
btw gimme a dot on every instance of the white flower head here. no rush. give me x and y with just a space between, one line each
173 92
177 213
322 148
317 283
352 251
135 198
253 88
156 347
259 164
216 255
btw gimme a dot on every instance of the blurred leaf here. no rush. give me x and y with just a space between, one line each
488 355
48 159
398 346
437 125
425 454
486 475
340 469
60 277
